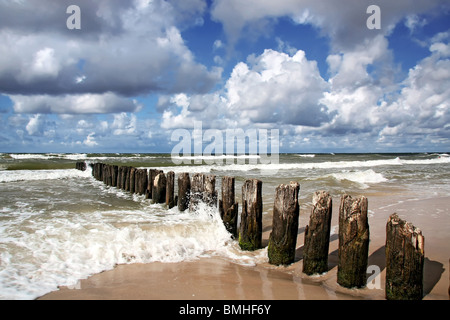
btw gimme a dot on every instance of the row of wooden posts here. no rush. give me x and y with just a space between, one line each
404 242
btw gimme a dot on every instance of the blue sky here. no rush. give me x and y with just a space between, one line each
138 70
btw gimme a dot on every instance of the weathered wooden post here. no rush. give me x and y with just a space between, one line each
127 178
250 231
120 177
141 181
184 190
159 189
81 166
209 190
110 174
203 189
405 246
105 171
197 187
115 170
170 190
228 208
283 238
132 186
97 172
123 176
317 235
353 242
151 178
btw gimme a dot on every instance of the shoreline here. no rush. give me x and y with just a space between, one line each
216 278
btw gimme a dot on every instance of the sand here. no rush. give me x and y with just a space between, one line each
215 278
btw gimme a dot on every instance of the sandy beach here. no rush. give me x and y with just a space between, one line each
219 279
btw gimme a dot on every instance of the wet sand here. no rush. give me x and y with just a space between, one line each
219 279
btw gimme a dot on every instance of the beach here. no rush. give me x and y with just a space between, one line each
65 235
218 279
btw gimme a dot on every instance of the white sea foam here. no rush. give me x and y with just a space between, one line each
74 156
362 177
276 167
216 157
34 175
72 247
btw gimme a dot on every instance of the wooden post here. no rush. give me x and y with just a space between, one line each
209 190
127 178
105 174
283 238
197 188
228 207
170 190
97 172
111 175
405 246
115 170
317 235
122 177
159 189
203 189
132 186
119 177
353 242
80 166
184 190
151 178
141 181
250 231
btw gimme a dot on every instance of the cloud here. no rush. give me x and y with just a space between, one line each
35 125
124 124
123 49
90 140
345 25
277 88
78 88
273 88
361 105
74 104
424 100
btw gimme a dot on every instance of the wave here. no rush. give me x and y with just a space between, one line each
222 166
76 156
75 247
36 175
273 168
361 177
306 155
216 157
48 156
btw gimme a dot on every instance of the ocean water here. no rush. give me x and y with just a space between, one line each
59 225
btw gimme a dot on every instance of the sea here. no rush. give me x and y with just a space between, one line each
59 225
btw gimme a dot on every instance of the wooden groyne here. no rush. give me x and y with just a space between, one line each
405 254
404 276
353 242
317 235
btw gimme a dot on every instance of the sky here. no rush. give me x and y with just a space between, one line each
136 71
